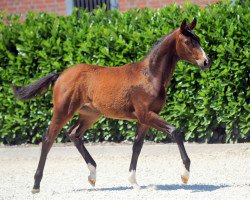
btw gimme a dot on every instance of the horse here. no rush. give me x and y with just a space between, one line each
135 91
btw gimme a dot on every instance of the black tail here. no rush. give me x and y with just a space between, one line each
34 89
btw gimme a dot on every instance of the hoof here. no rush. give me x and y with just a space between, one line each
34 191
133 183
136 186
184 179
92 181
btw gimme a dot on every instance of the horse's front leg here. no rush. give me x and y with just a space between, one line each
138 143
154 120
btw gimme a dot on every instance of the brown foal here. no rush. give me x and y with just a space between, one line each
134 91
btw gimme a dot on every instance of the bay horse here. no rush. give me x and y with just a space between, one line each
135 91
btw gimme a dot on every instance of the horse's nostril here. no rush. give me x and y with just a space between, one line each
205 63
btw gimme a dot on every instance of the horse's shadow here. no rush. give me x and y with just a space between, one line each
192 188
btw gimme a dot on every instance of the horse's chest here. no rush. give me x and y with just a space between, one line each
158 101
151 87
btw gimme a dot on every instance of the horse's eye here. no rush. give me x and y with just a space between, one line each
187 42
195 43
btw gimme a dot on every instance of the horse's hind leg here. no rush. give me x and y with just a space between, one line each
48 139
75 135
137 146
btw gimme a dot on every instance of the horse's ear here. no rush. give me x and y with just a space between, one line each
183 25
193 24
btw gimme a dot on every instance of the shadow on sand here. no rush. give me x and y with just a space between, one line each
192 188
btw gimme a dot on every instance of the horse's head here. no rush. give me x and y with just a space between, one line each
188 46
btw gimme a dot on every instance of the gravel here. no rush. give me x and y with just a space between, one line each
218 171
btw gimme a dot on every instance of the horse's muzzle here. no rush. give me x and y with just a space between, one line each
206 65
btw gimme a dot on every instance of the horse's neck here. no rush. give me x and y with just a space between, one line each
162 60
168 67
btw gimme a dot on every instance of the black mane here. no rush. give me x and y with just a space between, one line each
189 33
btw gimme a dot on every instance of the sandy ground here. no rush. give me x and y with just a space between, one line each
217 172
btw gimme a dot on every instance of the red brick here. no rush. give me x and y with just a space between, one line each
12 9
60 1
35 4
142 4
62 12
123 5
28 2
3 6
214 1
155 4
23 7
41 6
122 2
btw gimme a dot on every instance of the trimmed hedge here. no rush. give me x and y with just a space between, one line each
210 106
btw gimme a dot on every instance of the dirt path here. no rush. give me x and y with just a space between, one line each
217 172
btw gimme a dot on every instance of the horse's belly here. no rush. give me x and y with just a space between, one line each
114 109
123 116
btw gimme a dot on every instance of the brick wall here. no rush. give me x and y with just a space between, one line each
23 6
127 4
59 6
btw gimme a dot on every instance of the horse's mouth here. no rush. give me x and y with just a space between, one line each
204 68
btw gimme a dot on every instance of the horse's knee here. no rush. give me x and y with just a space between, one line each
73 133
46 142
75 139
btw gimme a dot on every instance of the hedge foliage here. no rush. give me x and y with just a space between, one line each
207 106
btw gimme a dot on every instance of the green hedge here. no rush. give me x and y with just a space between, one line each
208 106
